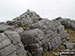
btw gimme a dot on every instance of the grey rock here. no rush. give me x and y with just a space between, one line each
50 38
21 52
43 35
70 45
6 51
19 30
11 45
34 46
32 36
50 28
2 36
49 46
19 45
13 54
5 43
3 27
38 52
11 22
66 22
26 18
14 36
45 47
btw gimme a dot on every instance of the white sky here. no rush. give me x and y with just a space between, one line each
51 9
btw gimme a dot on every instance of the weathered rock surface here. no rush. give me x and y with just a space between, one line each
70 45
66 22
11 45
46 34
41 35
3 27
25 19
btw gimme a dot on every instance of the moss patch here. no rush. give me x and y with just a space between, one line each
71 34
25 27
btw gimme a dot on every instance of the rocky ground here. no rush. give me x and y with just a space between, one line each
31 35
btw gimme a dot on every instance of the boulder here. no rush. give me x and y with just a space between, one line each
3 27
11 45
32 36
66 22
47 34
70 45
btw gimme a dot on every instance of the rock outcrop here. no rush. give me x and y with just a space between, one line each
66 22
31 35
11 45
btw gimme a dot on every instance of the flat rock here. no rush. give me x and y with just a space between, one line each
3 27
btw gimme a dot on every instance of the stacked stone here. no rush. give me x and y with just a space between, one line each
10 44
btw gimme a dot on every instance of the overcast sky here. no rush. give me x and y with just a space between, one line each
51 9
